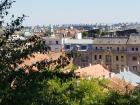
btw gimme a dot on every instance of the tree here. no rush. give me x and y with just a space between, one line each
12 53
104 33
85 34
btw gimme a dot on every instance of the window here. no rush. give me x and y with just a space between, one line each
117 67
137 49
134 58
122 58
117 58
56 42
111 48
83 60
44 42
135 68
122 67
95 57
108 58
87 57
96 48
100 56
67 46
107 47
83 47
133 49
101 48
118 49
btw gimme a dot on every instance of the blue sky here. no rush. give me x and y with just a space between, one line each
43 12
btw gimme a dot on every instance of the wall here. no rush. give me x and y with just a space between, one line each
54 43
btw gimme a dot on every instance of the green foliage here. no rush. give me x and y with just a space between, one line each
104 33
74 67
85 34
71 92
47 33
73 54
115 98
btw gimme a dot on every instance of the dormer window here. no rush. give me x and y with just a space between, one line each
133 49
137 49
95 57
67 47
118 49
83 47
134 58
100 56
96 48
56 42
117 58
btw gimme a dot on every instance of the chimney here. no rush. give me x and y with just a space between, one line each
120 71
110 75
79 67
90 64
128 69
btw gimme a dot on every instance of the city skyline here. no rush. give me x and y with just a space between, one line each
44 12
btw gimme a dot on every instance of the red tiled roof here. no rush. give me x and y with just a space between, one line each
95 71
37 58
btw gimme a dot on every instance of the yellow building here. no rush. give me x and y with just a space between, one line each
110 51
116 53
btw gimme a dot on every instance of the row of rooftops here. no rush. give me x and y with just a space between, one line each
99 71
132 39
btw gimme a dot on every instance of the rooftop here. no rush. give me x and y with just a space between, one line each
129 77
78 41
110 40
95 71
134 39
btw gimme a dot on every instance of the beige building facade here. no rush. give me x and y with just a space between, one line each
111 52
133 53
116 53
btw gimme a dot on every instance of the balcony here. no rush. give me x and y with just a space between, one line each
109 50
133 52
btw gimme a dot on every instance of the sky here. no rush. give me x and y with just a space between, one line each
44 12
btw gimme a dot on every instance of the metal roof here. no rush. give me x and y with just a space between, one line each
129 77
110 40
78 41
134 39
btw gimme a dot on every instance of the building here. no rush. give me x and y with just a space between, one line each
55 44
120 82
111 51
129 77
37 31
92 33
83 47
116 53
133 53
93 71
122 33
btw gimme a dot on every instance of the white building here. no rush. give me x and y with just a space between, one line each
55 44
